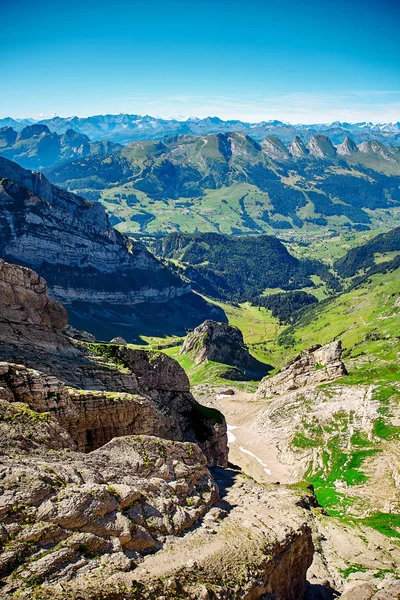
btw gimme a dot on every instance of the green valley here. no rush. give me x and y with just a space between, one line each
229 183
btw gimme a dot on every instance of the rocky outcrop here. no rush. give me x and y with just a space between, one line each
274 148
28 317
315 365
95 391
92 418
298 149
221 343
68 513
377 148
118 340
96 521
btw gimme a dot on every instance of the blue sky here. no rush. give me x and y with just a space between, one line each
298 61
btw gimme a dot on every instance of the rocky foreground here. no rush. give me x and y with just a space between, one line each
113 479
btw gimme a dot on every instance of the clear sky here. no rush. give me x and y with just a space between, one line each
294 60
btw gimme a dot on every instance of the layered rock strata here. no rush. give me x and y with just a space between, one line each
67 514
70 242
96 392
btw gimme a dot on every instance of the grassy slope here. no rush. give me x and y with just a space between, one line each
361 318
345 466
218 211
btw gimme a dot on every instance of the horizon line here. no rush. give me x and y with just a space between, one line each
192 118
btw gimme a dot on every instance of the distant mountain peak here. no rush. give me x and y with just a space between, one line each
31 130
321 146
273 147
375 147
347 147
298 149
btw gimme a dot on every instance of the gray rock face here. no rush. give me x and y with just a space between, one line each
298 149
118 502
221 343
118 340
112 391
273 147
125 404
375 147
313 366
70 242
321 146
347 147
28 317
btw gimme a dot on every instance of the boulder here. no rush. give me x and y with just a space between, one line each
118 340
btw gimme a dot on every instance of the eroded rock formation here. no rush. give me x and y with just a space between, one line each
315 365
59 512
28 316
221 343
96 392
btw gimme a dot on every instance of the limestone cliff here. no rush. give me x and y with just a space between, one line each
112 390
70 242
28 316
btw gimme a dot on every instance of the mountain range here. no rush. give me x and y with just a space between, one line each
230 183
125 128
36 147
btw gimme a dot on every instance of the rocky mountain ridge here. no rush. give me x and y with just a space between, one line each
315 365
230 183
36 147
124 128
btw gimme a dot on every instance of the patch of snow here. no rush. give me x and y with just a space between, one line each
231 437
245 451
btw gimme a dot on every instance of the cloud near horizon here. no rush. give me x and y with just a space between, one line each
299 107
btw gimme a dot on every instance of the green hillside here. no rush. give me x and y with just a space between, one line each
238 268
229 183
385 248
